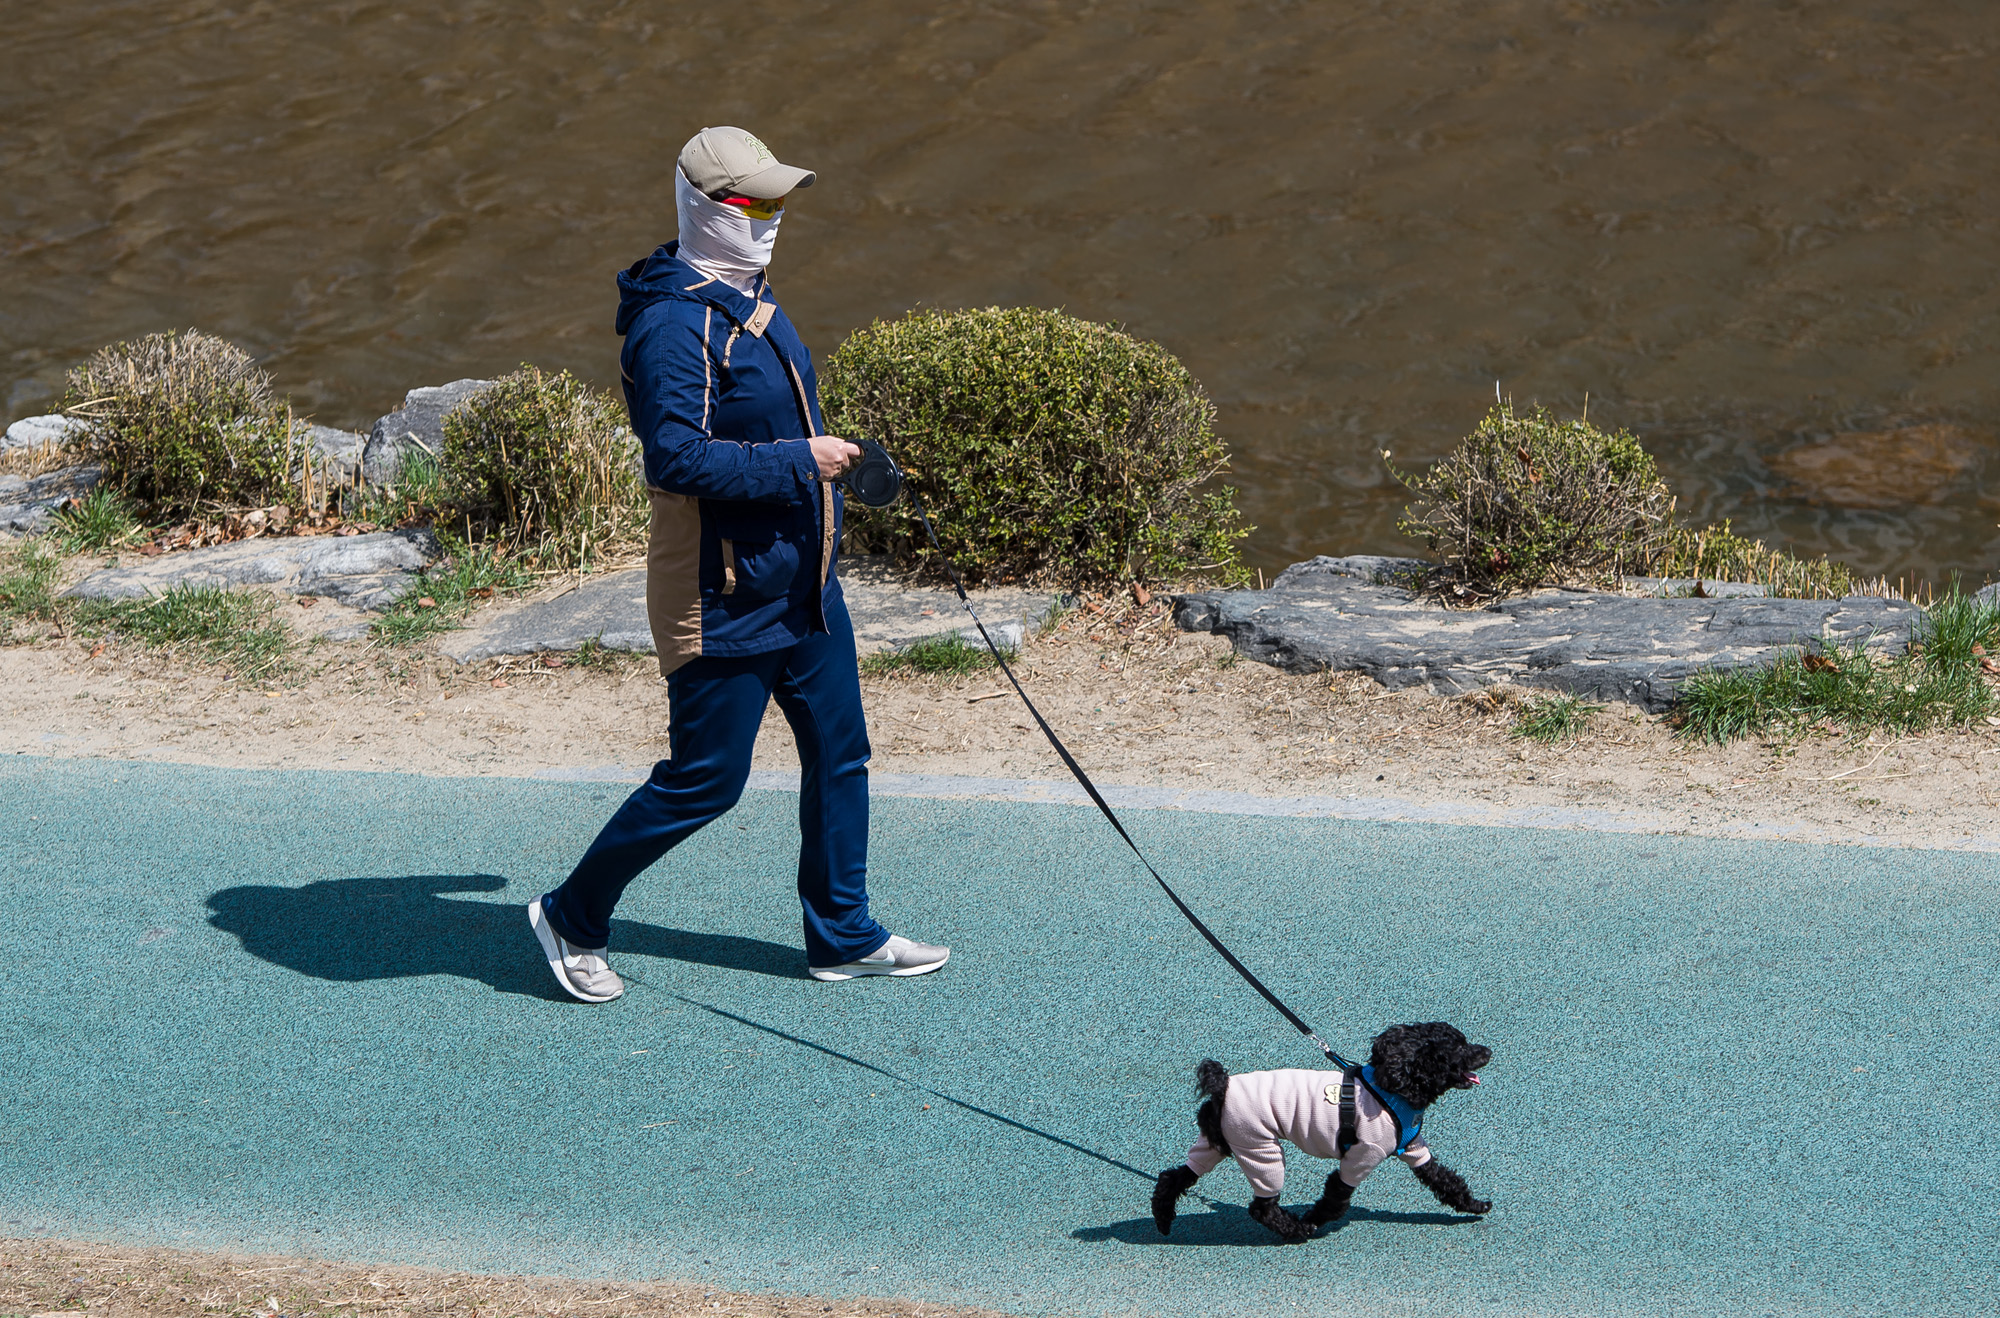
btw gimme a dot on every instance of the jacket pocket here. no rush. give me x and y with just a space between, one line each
758 569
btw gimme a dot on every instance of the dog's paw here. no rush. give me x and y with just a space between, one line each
1167 1190
1479 1206
1270 1214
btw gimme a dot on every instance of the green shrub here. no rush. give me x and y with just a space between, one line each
1716 553
181 418
547 459
1044 446
1527 501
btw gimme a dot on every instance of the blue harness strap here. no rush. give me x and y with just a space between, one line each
1409 1118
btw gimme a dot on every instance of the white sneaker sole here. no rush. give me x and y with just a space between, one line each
861 969
538 921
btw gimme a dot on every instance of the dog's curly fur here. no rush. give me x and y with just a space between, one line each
1420 1063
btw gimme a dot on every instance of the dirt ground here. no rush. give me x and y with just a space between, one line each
40 1278
1139 702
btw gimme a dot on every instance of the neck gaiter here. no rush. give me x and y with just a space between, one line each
721 240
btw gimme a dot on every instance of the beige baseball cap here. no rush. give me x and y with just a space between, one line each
731 160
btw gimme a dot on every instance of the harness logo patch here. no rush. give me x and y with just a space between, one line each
1333 1095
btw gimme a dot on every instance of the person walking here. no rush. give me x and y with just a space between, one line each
742 589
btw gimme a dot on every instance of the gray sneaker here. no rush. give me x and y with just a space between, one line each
582 971
899 956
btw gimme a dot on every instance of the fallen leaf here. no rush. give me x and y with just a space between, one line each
306 601
481 592
1140 595
97 649
497 683
1819 663
151 551
553 661
426 602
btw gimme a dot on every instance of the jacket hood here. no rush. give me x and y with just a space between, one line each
664 277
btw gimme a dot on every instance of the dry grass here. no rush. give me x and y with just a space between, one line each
45 1277
37 461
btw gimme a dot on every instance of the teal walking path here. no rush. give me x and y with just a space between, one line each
302 1013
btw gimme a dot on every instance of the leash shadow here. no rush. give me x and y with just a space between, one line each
1021 1126
1226 1224
403 927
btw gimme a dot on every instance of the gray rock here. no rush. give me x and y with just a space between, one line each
1600 645
50 431
611 609
28 502
890 614
339 451
417 424
1372 568
364 571
1684 586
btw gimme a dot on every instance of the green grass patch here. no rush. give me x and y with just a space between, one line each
238 628
28 575
102 519
945 655
452 589
1941 681
1550 719
415 496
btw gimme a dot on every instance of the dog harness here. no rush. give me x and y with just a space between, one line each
1409 1119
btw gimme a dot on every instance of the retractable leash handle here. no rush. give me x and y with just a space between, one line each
1097 799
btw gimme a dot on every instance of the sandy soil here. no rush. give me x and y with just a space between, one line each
43 1278
1139 702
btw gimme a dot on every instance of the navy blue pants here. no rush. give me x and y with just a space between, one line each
715 708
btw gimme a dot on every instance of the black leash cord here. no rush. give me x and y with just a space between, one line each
1097 798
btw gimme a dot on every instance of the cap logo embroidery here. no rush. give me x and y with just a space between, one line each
763 152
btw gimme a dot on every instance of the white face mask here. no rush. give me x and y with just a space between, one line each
721 240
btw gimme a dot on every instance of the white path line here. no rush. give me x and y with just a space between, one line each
1388 809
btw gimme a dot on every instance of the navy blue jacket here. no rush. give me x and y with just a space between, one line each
723 397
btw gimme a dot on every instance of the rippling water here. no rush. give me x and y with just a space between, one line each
1739 227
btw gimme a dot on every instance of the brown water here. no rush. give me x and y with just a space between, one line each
1739 227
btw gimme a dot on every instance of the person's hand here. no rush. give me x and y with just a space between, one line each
833 455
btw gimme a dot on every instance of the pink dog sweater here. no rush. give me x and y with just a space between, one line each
1264 1107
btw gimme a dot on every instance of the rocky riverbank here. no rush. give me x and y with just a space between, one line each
1353 615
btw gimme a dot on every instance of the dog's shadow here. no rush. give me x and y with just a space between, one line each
1226 1224
350 930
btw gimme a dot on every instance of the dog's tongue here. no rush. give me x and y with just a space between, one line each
1473 1076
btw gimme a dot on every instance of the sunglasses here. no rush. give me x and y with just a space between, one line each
757 208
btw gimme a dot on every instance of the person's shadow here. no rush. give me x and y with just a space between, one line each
1227 1224
399 928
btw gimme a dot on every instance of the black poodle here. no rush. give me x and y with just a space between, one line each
1359 1117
